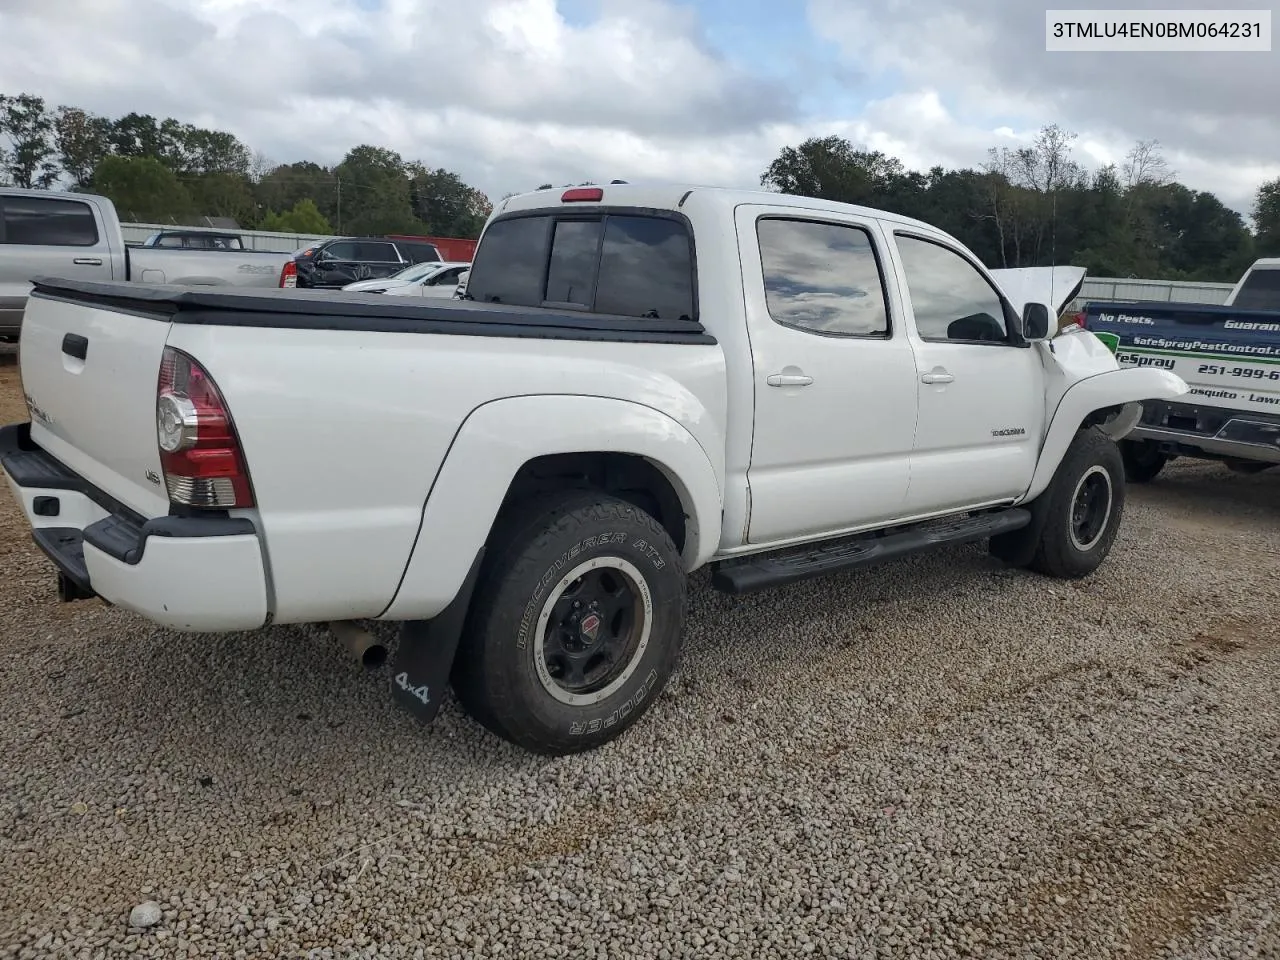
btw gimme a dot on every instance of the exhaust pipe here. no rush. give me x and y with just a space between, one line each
362 644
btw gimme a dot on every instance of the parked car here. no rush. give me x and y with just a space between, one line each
646 381
333 264
78 236
408 275
1230 357
442 281
197 239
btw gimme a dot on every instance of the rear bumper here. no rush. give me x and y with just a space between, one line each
1218 432
188 573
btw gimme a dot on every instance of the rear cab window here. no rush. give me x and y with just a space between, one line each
47 222
627 263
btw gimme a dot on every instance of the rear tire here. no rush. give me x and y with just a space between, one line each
1083 508
576 623
1143 460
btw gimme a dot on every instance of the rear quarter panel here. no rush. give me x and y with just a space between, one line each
345 431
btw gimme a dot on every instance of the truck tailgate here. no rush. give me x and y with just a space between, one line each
89 374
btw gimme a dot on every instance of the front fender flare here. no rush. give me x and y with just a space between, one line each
1115 388
499 437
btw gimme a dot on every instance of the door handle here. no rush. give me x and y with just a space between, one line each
87 261
76 346
789 380
937 377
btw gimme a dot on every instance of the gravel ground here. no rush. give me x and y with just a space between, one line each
935 759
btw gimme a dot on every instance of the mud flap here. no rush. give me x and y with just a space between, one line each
1018 548
424 657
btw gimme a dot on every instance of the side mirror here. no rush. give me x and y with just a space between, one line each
1036 323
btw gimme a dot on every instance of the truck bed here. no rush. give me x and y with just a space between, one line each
329 310
345 414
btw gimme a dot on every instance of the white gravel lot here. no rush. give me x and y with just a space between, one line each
935 759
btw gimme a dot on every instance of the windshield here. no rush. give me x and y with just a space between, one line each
1261 291
415 272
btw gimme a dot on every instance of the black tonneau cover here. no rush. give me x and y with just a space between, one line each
290 308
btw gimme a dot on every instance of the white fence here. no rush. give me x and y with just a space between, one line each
1167 291
253 239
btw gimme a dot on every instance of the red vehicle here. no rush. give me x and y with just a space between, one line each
453 249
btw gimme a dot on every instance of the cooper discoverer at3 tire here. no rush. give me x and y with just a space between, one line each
576 623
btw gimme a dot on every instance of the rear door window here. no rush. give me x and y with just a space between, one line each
367 252
620 264
822 277
48 222
418 252
344 250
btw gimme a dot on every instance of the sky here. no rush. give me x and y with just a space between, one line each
514 93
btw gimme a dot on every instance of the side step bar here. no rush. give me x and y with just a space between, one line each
865 550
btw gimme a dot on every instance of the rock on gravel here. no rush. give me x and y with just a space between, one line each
145 915
936 759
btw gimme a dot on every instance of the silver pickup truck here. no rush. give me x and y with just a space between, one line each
78 236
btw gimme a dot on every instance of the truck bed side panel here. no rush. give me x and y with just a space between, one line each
234 268
344 432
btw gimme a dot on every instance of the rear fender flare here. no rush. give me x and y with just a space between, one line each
498 438
1125 389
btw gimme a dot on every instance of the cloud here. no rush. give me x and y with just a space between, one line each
514 93
1214 114
509 86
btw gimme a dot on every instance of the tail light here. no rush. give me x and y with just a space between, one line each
199 450
289 274
582 195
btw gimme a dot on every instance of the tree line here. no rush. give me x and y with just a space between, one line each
1027 206
1037 206
166 171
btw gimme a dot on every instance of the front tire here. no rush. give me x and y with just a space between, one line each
1084 506
576 623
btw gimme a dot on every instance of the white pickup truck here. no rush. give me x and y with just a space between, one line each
78 236
640 382
1229 356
